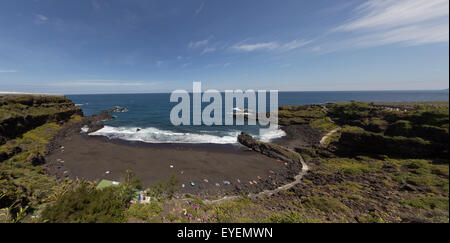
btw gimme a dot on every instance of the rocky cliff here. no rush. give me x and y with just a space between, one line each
19 114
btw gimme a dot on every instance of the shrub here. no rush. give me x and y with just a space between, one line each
88 205
325 204
144 211
428 202
400 128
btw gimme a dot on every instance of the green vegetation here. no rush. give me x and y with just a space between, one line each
323 125
27 125
380 179
146 212
89 205
32 105
429 122
427 202
395 129
326 205
303 114
290 217
167 190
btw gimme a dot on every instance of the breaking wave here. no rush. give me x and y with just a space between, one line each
155 135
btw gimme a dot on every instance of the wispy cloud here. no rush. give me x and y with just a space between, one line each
197 44
200 9
218 65
8 71
98 83
208 50
411 22
161 63
295 44
256 46
40 19
270 46
185 65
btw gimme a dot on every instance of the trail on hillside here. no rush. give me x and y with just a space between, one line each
324 138
297 180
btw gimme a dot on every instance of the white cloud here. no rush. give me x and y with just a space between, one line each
256 46
409 22
185 65
198 44
200 9
270 46
294 45
393 13
40 19
101 83
208 50
410 35
8 71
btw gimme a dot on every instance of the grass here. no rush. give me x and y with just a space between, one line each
428 203
290 217
352 166
323 125
24 183
302 114
21 106
325 205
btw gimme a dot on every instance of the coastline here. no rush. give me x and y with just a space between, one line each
209 166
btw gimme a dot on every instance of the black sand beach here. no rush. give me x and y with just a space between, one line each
209 167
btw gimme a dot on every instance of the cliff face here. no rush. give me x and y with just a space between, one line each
19 114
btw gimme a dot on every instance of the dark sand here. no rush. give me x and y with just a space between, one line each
90 158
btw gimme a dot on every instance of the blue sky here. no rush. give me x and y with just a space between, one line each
123 46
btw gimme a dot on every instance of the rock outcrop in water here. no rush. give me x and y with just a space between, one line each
96 122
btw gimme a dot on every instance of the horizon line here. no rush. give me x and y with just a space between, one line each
280 91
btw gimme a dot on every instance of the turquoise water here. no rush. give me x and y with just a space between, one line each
150 113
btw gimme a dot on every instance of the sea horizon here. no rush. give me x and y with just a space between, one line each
148 114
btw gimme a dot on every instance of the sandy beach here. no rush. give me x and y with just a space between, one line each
208 166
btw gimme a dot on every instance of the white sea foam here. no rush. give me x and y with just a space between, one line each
84 129
155 135
271 134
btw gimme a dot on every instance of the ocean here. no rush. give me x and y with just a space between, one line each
148 116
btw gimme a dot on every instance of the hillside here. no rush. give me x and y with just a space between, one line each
27 126
368 162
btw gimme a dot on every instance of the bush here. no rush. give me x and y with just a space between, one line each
162 190
86 204
145 211
400 128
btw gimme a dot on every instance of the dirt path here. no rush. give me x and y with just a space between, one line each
324 138
297 180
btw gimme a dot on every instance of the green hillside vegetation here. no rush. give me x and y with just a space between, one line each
386 164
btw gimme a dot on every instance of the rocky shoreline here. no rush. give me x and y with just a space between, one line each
367 163
275 172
